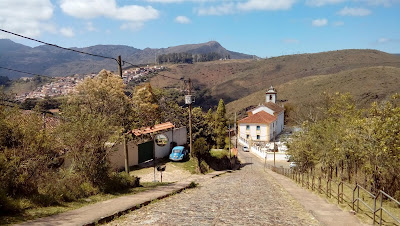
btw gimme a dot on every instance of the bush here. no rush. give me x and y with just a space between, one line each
68 186
120 181
7 205
203 166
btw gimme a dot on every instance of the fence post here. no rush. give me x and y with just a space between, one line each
380 215
358 198
338 193
327 187
375 207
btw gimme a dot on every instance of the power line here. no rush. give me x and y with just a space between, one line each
24 72
46 43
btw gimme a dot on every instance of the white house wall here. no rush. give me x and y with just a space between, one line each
262 108
253 131
177 135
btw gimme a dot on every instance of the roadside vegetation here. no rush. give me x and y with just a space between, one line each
44 166
33 211
354 145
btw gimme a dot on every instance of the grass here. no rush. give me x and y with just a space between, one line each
366 85
31 212
235 79
364 213
219 153
189 165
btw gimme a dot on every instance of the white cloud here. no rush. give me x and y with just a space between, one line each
134 26
224 9
383 40
266 5
28 18
90 27
320 22
290 41
385 3
318 3
346 11
108 8
67 32
179 1
231 7
338 23
182 20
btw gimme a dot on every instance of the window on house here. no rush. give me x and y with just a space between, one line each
270 97
258 127
247 136
247 127
258 137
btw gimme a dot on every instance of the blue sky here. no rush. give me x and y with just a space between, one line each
261 27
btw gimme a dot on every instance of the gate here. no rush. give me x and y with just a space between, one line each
145 151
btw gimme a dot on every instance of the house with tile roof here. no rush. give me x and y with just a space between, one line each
264 122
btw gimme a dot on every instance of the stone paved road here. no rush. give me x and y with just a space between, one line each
245 197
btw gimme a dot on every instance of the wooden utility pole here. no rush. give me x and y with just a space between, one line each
190 115
236 133
125 133
230 155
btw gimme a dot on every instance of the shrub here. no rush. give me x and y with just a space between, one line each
120 181
67 186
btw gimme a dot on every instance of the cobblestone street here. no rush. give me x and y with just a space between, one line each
244 197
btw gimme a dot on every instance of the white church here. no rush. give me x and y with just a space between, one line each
264 122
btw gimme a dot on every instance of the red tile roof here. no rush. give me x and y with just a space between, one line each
156 128
260 117
275 107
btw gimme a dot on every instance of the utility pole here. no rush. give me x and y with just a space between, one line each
236 133
190 115
273 134
125 132
230 155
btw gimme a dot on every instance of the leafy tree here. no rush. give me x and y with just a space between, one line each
145 106
363 143
220 125
93 116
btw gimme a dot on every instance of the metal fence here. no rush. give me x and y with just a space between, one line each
324 186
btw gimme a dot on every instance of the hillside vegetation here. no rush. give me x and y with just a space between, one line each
365 85
48 60
235 79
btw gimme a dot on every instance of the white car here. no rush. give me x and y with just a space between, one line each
245 148
292 165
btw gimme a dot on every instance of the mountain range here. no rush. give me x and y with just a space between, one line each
52 61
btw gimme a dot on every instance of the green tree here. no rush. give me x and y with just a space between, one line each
98 113
220 125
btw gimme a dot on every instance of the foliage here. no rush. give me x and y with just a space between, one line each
200 148
93 115
364 145
220 127
120 182
4 81
188 57
146 110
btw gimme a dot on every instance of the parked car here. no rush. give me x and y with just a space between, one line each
179 153
245 148
292 165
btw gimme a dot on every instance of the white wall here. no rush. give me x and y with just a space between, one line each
253 132
117 155
178 135
263 108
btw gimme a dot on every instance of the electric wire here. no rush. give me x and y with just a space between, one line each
24 72
57 46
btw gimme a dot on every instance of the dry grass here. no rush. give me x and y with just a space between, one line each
234 79
364 84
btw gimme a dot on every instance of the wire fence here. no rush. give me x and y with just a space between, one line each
355 196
